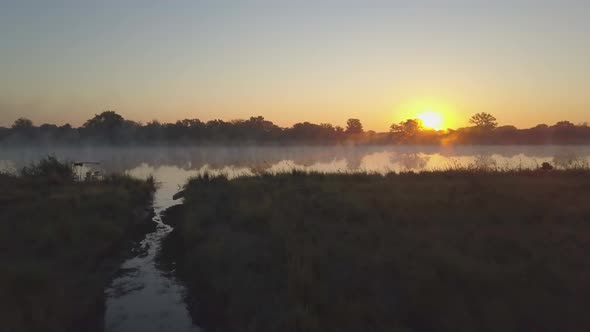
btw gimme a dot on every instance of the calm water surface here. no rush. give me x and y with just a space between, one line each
146 298
234 161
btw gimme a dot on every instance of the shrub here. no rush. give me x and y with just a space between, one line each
49 168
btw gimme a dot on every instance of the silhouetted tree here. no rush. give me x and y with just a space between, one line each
354 127
539 134
22 124
310 132
484 121
104 121
257 128
23 129
564 125
406 130
152 131
506 134
218 129
565 132
110 127
67 134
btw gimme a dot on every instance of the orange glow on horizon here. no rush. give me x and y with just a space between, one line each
431 119
435 115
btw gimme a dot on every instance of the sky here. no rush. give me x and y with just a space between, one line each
526 62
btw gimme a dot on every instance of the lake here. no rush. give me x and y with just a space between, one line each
176 163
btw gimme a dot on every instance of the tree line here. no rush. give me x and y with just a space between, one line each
111 128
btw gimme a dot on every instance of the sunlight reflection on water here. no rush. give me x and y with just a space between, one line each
244 161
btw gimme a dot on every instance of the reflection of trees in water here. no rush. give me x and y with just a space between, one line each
485 162
354 159
262 158
506 151
187 158
569 160
411 161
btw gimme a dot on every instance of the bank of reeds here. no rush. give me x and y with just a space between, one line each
457 250
60 240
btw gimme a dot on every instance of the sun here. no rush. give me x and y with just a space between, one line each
433 113
431 119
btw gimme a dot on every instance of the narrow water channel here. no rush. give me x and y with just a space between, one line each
142 297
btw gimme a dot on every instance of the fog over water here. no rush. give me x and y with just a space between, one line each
235 161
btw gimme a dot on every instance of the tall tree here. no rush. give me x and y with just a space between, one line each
484 121
406 130
105 122
354 126
108 126
22 124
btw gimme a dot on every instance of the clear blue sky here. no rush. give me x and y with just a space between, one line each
527 62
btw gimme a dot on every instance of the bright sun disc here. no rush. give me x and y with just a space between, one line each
431 120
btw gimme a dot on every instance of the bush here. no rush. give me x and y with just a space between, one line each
49 168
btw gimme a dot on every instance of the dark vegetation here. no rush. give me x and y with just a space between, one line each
112 129
458 250
60 242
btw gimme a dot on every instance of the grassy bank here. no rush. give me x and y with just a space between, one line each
60 241
442 251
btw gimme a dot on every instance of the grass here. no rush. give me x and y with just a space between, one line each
439 251
59 242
